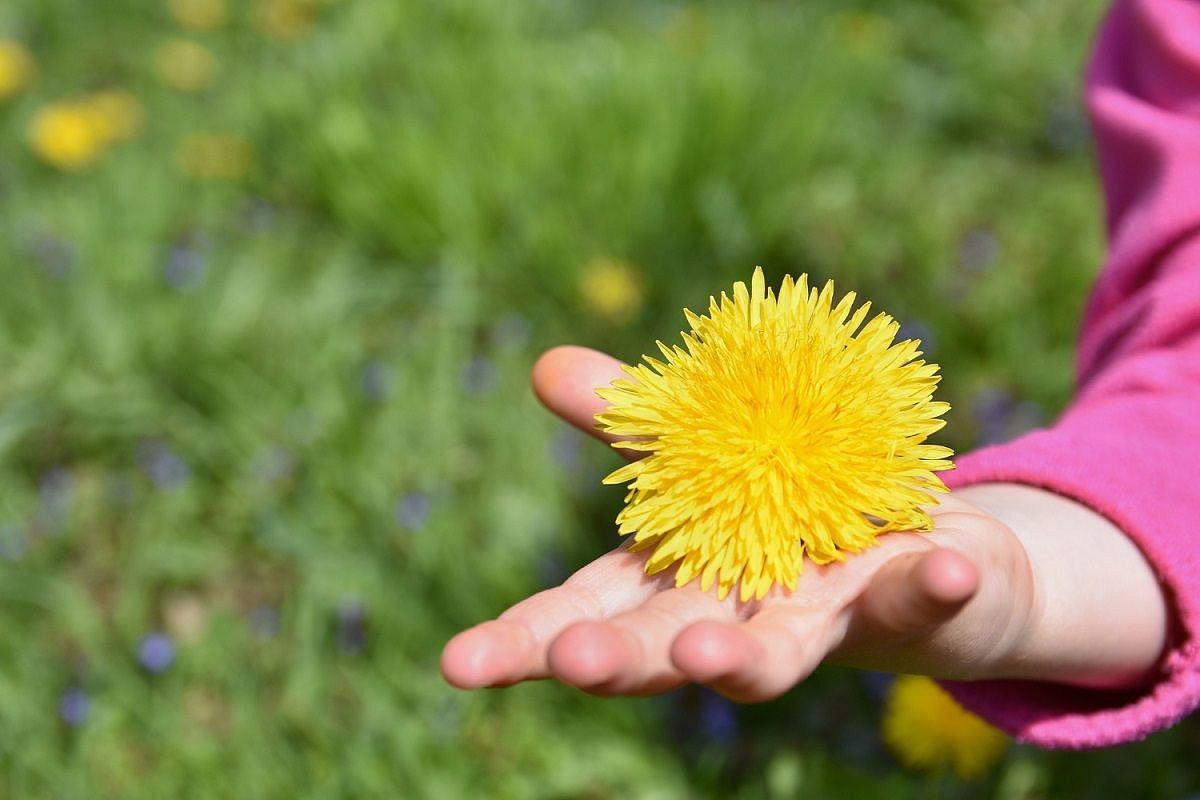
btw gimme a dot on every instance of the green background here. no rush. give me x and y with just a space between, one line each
286 418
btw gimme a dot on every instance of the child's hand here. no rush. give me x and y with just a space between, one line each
975 598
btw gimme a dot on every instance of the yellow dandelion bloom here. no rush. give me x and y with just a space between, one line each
612 289
64 135
16 67
864 32
283 19
784 428
928 730
73 134
198 15
116 114
184 65
214 156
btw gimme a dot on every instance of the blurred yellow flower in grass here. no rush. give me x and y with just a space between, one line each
16 67
785 428
283 19
928 730
864 32
74 134
198 15
184 65
612 289
214 156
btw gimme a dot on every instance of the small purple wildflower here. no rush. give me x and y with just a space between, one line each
1066 128
566 449
978 250
165 468
55 490
74 706
376 381
552 569
446 721
156 652
1001 417
718 721
916 329
351 632
511 331
265 622
412 510
479 376
185 267
274 464
54 255
257 215
877 683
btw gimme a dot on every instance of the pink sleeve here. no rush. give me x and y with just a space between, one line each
1129 446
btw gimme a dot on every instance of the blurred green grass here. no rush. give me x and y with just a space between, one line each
284 416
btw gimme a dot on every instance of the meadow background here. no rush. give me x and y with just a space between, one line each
272 276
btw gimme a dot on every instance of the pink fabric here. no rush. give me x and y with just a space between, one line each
1129 446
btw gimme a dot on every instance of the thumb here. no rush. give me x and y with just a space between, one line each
566 378
915 592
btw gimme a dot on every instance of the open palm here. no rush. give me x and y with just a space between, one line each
914 602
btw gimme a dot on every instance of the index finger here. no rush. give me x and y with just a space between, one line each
566 378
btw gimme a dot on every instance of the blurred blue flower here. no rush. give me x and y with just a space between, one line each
351 631
185 267
74 705
718 722
54 255
1000 417
55 490
265 622
445 723
412 510
376 381
552 569
156 652
273 464
511 331
877 683
917 329
978 251
165 468
479 376
257 215
566 449
1067 128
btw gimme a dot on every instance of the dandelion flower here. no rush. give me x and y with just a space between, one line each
785 428
184 65
64 137
283 19
116 113
16 67
928 730
611 289
198 15
214 156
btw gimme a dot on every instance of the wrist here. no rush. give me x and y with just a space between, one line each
1098 615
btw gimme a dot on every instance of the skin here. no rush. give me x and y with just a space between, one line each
1013 582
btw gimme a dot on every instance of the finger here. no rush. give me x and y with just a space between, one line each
630 653
912 594
757 660
566 378
513 647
